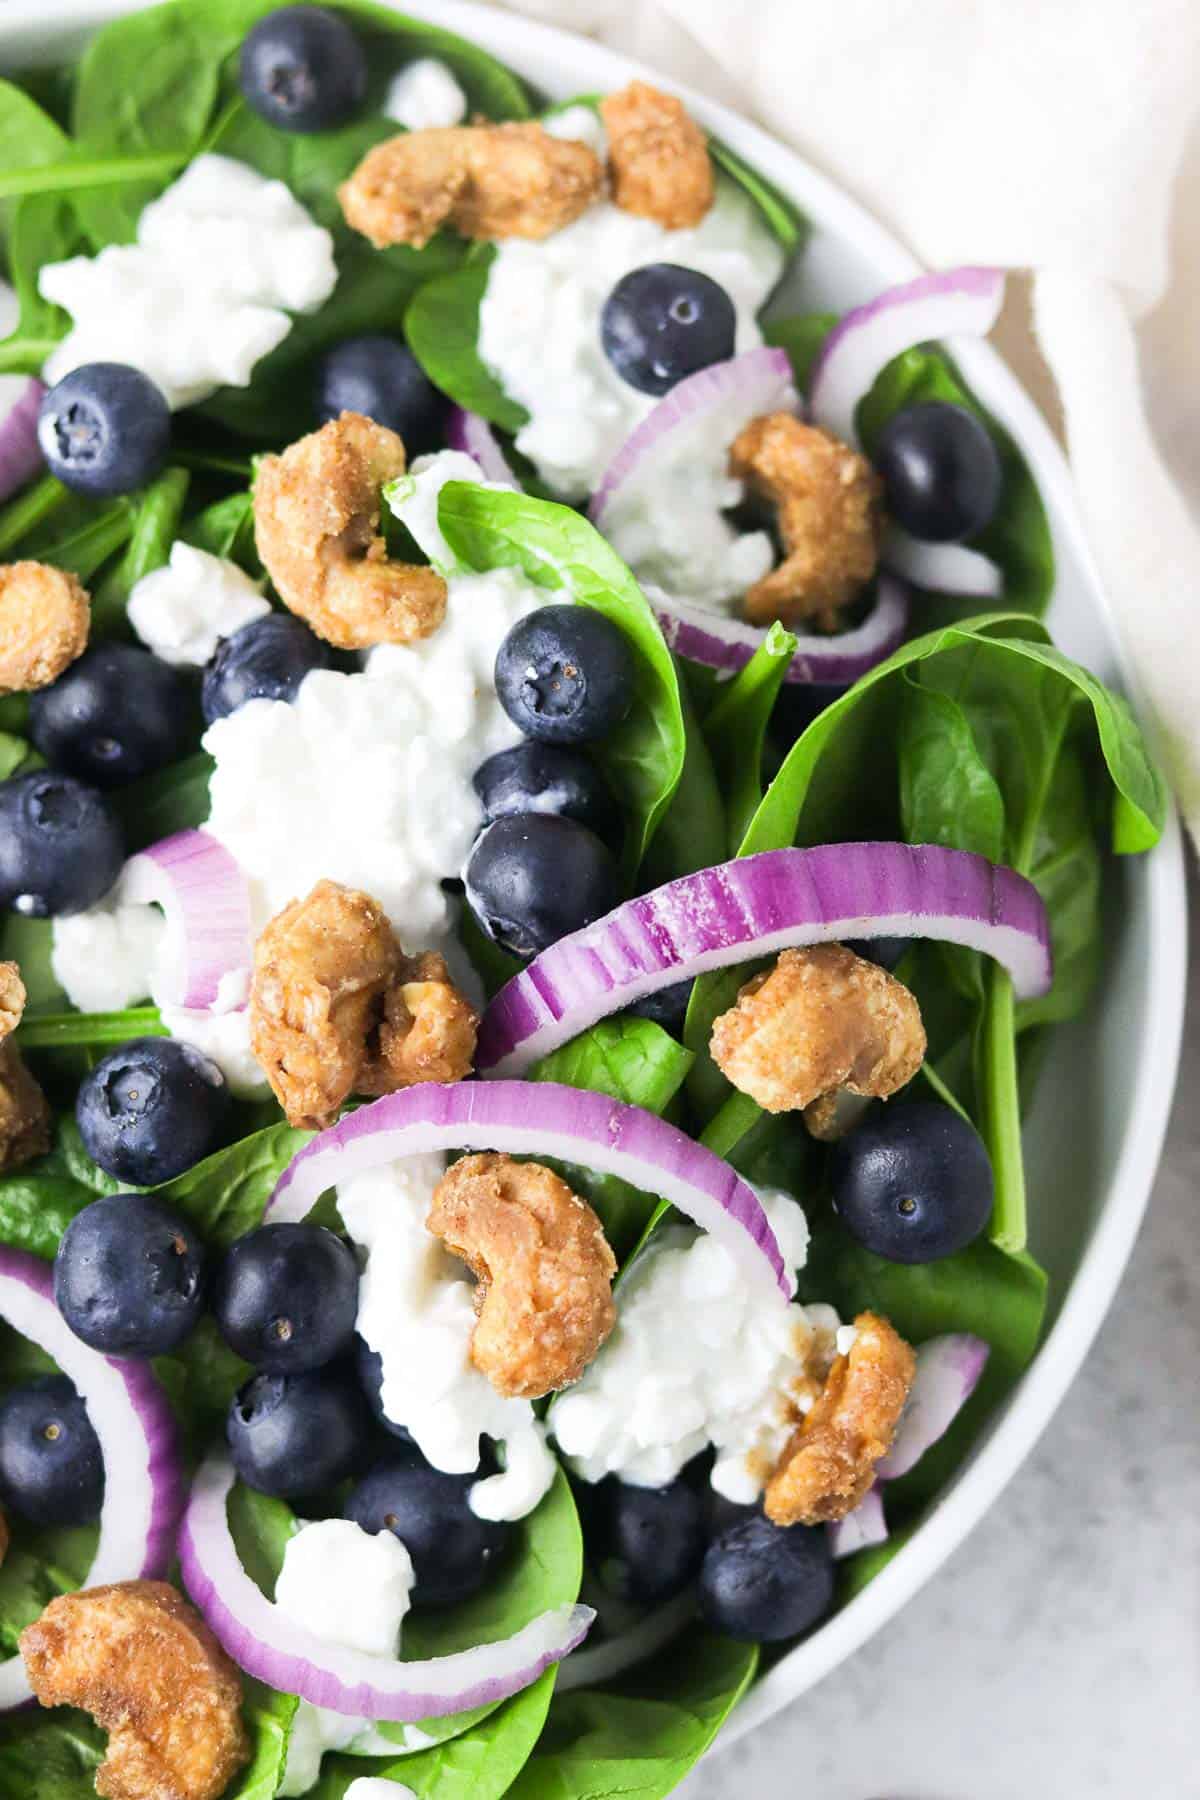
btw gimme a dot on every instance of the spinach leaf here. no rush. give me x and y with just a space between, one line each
13 752
172 799
29 942
31 511
442 328
65 1045
224 1196
39 1200
691 832
735 729
29 137
268 1716
559 550
782 214
81 537
50 1756
200 1378
801 335
226 528
157 514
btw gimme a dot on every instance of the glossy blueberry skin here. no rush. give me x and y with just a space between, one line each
303 69
51 1469
129 1276
565 674
152 1109
546 778
662 322
369 1365
285 1297
454 1553
941 471
913 1182
532 879
668 1007
104 429
61 847
380 376
647 1544
291 1435
116 714
264 660
762 1582
886 951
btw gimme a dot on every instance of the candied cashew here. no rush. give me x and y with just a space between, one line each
819 1020
828 1465
24 1113
543 1268
142 1661
828 502
488 181
45 615
657 156
427 1033
316 523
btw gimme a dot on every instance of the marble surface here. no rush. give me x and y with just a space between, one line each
1056 1656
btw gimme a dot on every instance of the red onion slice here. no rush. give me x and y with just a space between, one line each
755 906
468 432
948 1372
860 1530
130 1416
266 1643
603 1662
957 302
728 644
942 568
206 900
541 1119
20 453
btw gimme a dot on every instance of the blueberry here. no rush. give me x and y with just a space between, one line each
264 660
454 1553
565 674
370 1379
546 778
151 1109
60 845
886 951
531 880
913 1183
303 69
116 713
291 1435
129 1276
104 429
666 1007
663 322
941 471
380 376
762 1582
647 1543
286 1296
51 1469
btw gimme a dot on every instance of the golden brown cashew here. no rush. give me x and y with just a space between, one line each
543 1266
829 508
829 1463
44 619
657 156
316 521
24 1113
427 1033
820 1020
149 1670
488 181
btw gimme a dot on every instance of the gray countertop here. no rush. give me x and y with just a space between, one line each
1056 1656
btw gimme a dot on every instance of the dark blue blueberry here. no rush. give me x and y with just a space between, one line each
886 951
370 1378
51 1469
60 845
285 1297
454 1553
666 1007
152 1109
117 713
265 660
663 322
763 1582
532 879
303 69
380 376
647 1543
129 1276
291 1435
565 675
546 778
104 429
913 1182
941 471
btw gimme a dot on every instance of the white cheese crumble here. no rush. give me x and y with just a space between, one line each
539 322
425 94
696 1359
222 258
104 959
415 1308
184 609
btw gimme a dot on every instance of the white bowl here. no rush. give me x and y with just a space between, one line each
1094 1139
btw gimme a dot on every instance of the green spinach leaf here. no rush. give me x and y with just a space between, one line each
735 729
226 528
156 519
782 214
442 328
691 833
50 1756
224 1196
801 335
173 799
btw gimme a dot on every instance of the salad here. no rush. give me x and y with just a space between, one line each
542 837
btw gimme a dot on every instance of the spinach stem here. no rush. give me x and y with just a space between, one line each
52 1031
1002 1113
31 508
105 171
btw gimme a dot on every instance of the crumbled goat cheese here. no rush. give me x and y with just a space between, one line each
696 1359
184 609
539 323
222 258
415 1308
425 94
581 123
104 959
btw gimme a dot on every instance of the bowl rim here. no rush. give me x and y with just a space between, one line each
519 40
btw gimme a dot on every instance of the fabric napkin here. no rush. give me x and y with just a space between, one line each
1039 135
